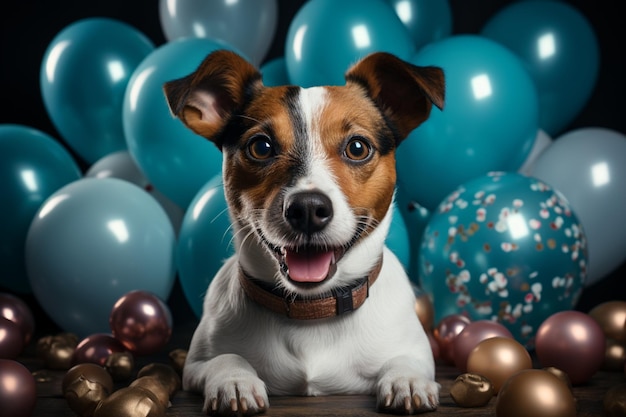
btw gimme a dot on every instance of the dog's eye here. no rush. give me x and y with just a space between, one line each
260 147
358 149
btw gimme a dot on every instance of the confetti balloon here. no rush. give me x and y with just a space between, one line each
504 247
18 390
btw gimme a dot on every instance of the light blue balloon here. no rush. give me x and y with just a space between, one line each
275 73
33 165
248 25
177 161
205 240
91 242
326 37
504 247
588 165
426 20
83 78
489 122
560 50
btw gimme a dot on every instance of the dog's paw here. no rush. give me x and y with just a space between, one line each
407 395
243 396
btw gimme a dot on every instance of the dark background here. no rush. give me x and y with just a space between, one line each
27 29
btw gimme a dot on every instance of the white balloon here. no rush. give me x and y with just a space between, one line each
122 166
248 25
588 166
541 143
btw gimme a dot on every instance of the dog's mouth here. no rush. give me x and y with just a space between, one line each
308 265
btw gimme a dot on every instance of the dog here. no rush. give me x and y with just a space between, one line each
312 302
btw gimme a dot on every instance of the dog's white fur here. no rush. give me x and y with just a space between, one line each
241 351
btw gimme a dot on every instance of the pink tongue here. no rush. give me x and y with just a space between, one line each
308 266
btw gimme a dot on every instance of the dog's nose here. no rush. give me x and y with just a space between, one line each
308 212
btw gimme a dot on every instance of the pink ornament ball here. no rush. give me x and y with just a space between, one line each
142 322
474 333
18 390
573 342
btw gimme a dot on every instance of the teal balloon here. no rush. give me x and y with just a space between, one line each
175 160
489 122
33 165
504 247
205 241
275 72
426 20
326 37
91 242
83 78
398 238
559 48
415 217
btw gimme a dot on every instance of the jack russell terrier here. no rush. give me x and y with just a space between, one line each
312 302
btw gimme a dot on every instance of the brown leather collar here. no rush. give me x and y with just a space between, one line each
339 301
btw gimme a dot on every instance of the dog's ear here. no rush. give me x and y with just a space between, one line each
205 99
404 92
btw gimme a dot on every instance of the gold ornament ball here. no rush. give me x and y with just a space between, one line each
177 359
56 351
615 401
120 365
154 385
130 402
471 390
561 375
424 309
165 374
615 355
536 393
498 358
611 316
84 386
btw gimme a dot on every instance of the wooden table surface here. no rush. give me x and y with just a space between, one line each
50 402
